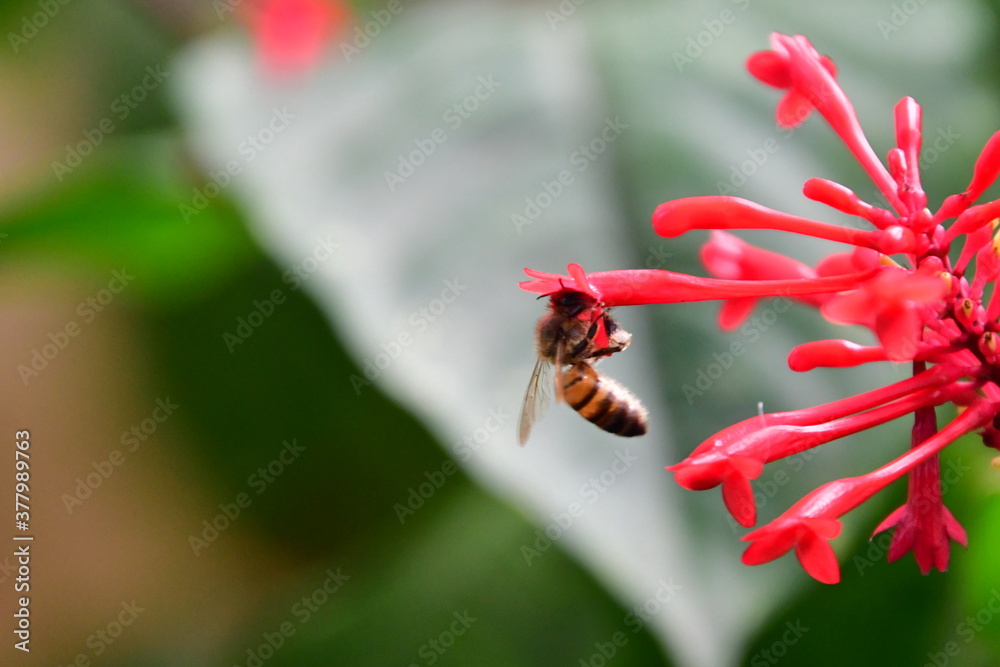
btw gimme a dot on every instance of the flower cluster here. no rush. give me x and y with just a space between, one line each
896 278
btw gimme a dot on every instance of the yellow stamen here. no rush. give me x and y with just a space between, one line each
885 260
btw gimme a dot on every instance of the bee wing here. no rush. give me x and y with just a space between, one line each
559 374
537 399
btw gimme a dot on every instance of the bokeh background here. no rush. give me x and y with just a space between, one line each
258 275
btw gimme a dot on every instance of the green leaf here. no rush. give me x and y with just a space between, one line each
122 214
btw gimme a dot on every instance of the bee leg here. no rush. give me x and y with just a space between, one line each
580 348
618 338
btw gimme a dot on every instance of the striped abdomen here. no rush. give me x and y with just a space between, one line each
603 401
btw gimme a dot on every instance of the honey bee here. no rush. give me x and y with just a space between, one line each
563 339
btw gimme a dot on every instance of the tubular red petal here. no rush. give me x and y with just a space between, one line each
974 242
975 416
738 497
898 330
908 137
828 65
896 239
836 498
935 376
954 528
676 217
890 520
809 537
580 278
769 68
987 168
632 287
700 477
904 538
768 547
987 266
793 109
734 312
840 263
817 559
811 76
993 309
897 164
973 219
983 175
730 257
550 283
895 292
745 452
828 529
844 200
833 354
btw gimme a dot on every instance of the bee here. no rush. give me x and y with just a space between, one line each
564 338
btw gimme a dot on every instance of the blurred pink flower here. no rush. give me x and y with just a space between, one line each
293 35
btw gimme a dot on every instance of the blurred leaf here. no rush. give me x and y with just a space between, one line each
440 595
122 213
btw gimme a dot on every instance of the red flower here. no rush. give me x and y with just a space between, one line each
896 279
291 35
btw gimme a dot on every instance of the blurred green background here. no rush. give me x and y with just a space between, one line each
246 495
